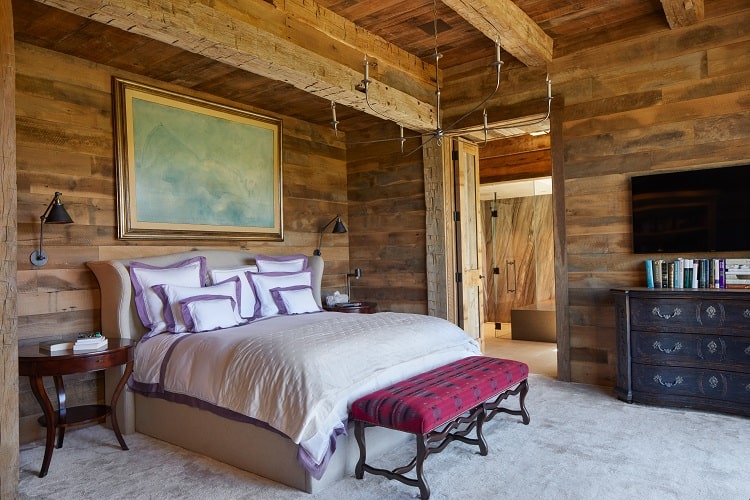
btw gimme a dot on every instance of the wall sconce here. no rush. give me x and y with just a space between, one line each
338 228
55 214
357 274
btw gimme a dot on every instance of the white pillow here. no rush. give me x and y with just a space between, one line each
264 282
171 295
247 297
191 272
282 264
295 300
203 313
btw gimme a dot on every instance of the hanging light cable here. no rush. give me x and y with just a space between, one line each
452 130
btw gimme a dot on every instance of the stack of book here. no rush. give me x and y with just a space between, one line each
698 273
90 343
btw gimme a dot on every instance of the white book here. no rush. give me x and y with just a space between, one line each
56 345
101 343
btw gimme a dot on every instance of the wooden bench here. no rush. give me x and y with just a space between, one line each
440 406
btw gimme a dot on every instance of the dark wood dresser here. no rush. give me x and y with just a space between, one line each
684 347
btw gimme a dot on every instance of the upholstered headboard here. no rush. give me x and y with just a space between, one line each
119 315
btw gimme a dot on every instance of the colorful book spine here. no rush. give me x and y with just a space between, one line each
649 273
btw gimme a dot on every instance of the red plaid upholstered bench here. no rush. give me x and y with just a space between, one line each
440 406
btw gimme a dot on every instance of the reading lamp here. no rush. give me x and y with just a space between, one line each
338 228
55 214
356 274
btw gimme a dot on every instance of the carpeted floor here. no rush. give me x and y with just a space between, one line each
582 443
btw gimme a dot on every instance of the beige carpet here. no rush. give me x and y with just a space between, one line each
581 444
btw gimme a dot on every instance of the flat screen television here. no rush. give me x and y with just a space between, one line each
705 210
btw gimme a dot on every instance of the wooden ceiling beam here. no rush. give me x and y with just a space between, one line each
259 38
681 13
504 21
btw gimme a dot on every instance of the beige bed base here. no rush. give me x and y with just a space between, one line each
242 445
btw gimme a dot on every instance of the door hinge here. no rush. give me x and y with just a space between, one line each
459 276
456 216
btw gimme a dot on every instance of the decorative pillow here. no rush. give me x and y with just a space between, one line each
247 296
282 264
295 300
204 313
171 295
191 272
264 282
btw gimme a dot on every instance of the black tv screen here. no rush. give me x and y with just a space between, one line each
695 211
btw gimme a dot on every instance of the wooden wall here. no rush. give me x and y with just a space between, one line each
387 220
65 144
672 100
8 300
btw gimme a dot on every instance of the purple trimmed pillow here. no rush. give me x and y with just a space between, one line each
203 313
190 272
171 295
295 300
247 297
281 264
264 282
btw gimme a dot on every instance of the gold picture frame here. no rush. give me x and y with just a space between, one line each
188 168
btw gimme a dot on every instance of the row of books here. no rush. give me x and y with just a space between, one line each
698 273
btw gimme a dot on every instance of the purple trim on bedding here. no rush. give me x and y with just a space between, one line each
276 294
258 301
169 318
188 318
157 391
140 305
307 462
260 259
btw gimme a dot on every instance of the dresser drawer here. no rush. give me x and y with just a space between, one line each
700 315
691 382
699 350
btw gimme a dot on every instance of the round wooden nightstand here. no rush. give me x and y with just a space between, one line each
36 364
354 307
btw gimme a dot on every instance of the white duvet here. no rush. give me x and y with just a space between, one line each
299 374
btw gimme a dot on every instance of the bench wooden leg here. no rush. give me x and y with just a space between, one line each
359 434
493 407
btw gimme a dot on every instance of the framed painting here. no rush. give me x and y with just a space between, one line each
194 169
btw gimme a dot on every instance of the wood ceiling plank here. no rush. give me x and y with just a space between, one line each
253 37
681 13
504 21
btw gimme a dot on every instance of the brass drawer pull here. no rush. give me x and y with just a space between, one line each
656 312
677 347
677 381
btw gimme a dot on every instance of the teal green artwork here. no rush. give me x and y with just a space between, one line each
201 169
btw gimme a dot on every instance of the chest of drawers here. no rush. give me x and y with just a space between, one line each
684 347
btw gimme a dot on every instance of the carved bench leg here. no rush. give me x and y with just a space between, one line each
359 433
522 399
424 488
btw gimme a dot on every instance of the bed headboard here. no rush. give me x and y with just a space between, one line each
118 314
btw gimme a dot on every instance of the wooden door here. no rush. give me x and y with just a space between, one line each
469 236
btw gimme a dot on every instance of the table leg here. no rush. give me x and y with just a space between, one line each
113 404
37 388
62 415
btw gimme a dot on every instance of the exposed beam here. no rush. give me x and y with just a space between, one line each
257 37
682 13
504 21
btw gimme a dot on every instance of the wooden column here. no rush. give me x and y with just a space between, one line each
8 311
441 236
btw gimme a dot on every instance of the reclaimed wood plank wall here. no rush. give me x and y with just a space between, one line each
65 143
387 218
672 100
8 300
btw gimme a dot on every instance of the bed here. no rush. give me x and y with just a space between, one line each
293 375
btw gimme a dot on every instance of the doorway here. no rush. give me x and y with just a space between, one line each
519 322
